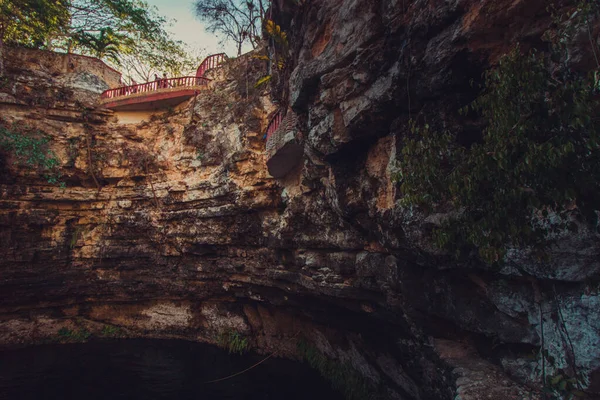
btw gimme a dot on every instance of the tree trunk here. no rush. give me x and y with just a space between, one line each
262 12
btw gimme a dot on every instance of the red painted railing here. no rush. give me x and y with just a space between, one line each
156 85
210 62
274 123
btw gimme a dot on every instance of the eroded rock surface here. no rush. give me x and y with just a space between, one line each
173 227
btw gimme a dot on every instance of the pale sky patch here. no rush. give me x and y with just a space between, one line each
189 29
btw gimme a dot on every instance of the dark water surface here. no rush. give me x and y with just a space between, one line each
151 369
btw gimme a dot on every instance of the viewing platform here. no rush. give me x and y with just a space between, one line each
284 147
161 93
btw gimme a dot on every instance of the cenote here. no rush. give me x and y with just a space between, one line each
152 369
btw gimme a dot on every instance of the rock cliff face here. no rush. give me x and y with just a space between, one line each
361 71
172 227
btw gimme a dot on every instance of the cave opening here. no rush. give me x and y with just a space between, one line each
153 369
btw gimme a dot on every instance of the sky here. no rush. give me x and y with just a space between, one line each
189 29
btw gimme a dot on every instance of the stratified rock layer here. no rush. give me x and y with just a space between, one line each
173 227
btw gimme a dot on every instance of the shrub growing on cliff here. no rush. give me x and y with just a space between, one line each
276 54
31 150
342 376
110 331
69 336
233 341
535 169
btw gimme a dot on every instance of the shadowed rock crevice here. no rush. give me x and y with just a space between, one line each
190 236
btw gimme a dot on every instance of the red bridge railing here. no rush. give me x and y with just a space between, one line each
210 62
184 81
274 123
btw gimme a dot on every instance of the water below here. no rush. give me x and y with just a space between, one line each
152 369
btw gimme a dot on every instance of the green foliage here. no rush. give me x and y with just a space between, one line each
233 341
31 22
275 32
535 168
563 387
199 155
279 45
262 81
68 335
105 44
276 55
31 150
121 21
126 33
343 377
111 331
75 236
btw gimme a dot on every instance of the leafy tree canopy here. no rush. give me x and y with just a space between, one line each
113 30
30 22
130 35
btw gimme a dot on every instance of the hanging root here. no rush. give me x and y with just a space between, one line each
88 142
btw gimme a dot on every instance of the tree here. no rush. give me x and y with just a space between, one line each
106 44
122 20
128 34
30 22
237 20
118 31
144 59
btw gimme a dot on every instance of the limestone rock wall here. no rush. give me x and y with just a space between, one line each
173 227
360 71
62 65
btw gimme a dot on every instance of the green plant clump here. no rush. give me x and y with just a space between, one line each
342 376
534 172
111 331
31 150
563 387
68 335
233 341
